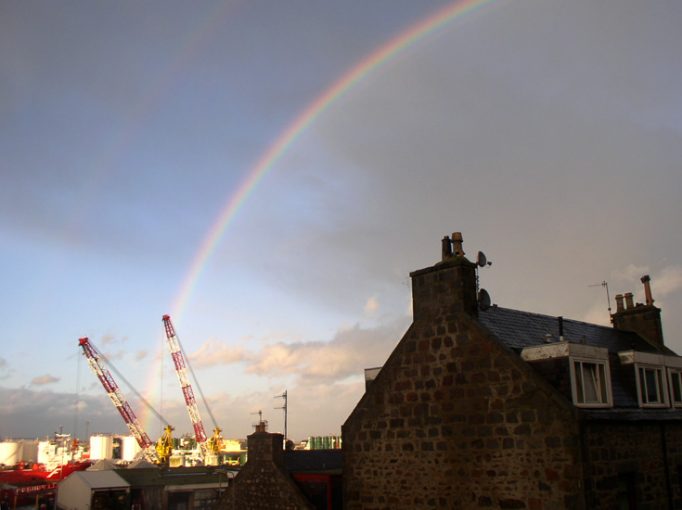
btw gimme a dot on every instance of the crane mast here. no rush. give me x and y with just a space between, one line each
112 390
180 370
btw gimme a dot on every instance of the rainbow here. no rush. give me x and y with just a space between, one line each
304 119
276 150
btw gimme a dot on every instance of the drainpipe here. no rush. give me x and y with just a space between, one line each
587 493
666 468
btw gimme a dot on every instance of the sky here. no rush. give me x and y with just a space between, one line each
547 132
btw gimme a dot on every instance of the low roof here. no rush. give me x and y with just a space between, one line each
313 461
157 476
100 479
102 465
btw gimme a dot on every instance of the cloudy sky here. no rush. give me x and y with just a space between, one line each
548 132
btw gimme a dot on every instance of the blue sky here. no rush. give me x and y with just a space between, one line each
547 132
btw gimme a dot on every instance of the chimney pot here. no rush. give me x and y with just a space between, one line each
457 244
629 303
646 279
446 247
645 320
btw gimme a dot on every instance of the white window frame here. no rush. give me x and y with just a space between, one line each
662 383
606 384
671 392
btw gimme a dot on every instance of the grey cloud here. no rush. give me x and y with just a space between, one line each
36 413
213 352
347 354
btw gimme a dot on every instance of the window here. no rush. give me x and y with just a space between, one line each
676 387
652 391
590 383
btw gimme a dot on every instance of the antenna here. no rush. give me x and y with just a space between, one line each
261 426
604 284
284 407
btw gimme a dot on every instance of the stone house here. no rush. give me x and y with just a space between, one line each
480 406
278 479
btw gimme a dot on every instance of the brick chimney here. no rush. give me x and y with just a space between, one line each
264 446
644 319
446 287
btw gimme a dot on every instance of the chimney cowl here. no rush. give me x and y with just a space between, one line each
646 280
457 241
446 248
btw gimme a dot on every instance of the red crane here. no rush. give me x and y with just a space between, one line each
180 368
112 390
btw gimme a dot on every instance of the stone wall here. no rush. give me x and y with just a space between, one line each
628 460
455 420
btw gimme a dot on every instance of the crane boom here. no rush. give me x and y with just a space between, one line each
180 370
114 393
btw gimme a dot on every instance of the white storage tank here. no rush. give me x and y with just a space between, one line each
129 448
11 453
101 447
30 453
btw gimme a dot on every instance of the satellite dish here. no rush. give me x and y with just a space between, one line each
483 299
481 259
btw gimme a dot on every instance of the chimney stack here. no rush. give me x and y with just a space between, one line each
264 446
643 319
446 287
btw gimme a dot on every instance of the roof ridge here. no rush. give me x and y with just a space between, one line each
548 316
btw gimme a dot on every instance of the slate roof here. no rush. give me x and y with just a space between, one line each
519 329
100 479
155 476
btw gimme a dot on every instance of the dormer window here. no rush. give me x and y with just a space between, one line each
675 377
651 387
658 378
590 384
588 366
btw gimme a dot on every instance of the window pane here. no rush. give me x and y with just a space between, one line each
642 386
675 383
602 383
652 393
578 383
590 383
